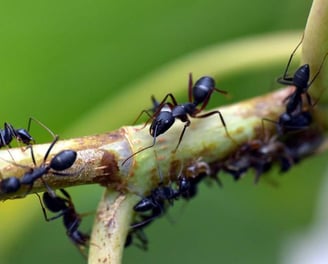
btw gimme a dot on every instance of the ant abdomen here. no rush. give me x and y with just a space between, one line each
63 160
202 88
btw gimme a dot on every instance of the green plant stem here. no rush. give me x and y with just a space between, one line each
315 47
99 157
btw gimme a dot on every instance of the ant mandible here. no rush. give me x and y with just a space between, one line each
166 113
71 219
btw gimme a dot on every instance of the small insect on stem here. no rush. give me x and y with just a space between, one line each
301 81
167 112
295 118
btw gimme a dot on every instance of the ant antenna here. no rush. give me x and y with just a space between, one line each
140 150
290 60
321 65
40 124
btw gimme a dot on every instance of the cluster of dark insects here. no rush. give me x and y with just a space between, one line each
62 205
285 146
292 139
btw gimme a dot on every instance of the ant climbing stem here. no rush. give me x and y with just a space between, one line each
22 135
167 112
301 81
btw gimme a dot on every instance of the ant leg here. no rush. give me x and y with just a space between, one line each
140 234
286 80
138 117
220 91
56 138
65 193
222 121
50 191
181 135
147 220
309 100
205 102
316 75
169 95
45 212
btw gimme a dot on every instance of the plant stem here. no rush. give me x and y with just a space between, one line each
99 157
315 47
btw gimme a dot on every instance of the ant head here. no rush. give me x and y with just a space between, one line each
24 136
295 122
63 160
301 78
163 121
10 185
54 203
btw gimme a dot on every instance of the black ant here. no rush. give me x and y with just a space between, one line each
22 135
9 132
301 82
155 202
166 113
71 219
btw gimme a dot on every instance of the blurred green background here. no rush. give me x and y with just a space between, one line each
60 61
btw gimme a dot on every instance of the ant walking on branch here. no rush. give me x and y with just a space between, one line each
23 136
60 162
165 113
